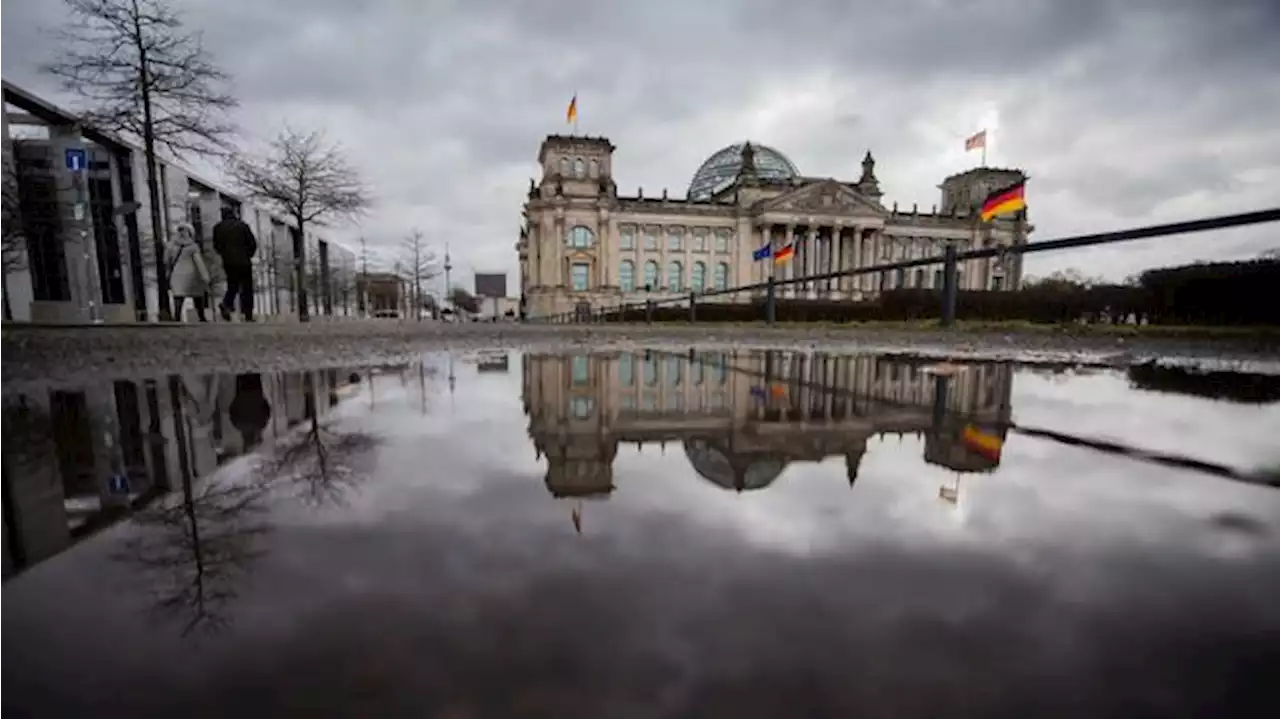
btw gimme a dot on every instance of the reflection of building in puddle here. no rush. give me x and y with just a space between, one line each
744 418
78 459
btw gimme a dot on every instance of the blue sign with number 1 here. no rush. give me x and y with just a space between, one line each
77 159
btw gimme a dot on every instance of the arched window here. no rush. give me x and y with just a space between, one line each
698 282
627 276
722 276
651 274
581 238
593 167
564 166
579 168
675 277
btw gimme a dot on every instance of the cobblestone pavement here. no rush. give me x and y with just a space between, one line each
70 355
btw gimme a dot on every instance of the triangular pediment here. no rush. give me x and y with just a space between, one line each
825 197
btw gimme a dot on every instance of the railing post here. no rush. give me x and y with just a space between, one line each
771 302
648 311
693 307
949 286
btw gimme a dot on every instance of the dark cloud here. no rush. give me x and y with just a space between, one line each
1124 113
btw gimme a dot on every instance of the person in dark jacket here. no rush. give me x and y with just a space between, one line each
236 245
249 410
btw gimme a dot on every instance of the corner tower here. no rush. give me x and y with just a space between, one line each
576 166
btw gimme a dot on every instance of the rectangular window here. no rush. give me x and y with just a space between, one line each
675 239
722 240
627 370
937 279
580 276
997 283
699 240
651 239
581 369
627 238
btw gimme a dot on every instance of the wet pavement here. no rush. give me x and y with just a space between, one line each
651 533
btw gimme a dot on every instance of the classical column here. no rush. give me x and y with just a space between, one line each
788 269
767 267
854 258
837 256
811 259
604 252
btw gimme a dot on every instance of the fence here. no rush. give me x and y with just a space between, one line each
949 261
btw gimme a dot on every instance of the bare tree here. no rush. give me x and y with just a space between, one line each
143 75
419 266
15 249
308 179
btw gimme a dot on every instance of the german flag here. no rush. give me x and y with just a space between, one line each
983 443
783 254
1002 202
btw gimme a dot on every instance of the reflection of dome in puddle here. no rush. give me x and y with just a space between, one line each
730 471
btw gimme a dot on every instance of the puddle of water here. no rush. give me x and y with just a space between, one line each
651 533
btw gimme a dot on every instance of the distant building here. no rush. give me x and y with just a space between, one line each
584 245
383 292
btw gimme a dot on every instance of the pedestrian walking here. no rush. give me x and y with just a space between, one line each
234 241
188 274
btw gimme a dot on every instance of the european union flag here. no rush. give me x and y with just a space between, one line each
762 253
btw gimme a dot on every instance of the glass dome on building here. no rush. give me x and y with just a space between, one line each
722 167
732 472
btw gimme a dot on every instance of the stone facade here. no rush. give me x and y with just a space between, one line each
582 244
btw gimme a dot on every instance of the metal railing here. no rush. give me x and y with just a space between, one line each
949 260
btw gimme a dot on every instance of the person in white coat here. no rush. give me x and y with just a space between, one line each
188 274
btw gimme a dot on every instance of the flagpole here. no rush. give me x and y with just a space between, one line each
984 148
575 112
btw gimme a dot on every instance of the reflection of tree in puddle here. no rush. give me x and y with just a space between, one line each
195 551
323 463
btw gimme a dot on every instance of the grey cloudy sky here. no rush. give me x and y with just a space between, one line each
1123 112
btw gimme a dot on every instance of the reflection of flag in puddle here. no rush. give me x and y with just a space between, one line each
776 390
576 515
950 494
980 442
